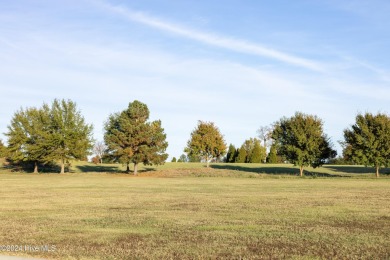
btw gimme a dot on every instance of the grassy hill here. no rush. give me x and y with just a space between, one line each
239 169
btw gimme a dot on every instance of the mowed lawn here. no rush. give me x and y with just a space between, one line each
118 216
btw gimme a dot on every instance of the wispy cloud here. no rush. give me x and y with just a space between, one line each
232 44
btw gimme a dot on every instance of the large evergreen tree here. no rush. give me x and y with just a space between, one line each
206 142
258 153
241 155
231 154
70 137
300 139
368 140
272 155
130 138
28 135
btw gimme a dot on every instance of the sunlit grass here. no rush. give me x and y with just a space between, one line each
118 216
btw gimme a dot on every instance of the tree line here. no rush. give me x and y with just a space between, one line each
58 133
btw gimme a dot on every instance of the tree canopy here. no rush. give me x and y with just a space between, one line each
3 149
206 142
70 136
301 140
130 138
231 154
46 134
27 136
368 140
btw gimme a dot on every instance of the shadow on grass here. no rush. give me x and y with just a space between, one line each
110 169
147 169
98 168
276 170
356 169
28 167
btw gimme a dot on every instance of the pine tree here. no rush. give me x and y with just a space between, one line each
272 155
130 138
242 155
258 153
231 154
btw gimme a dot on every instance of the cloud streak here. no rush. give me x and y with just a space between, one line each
236 45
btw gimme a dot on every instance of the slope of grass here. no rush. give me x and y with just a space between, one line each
118 216
239 169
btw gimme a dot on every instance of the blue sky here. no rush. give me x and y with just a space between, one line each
240 64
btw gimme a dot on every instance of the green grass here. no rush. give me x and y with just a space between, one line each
258 216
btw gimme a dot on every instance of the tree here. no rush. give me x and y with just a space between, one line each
272 155
70 136
241 155
130 138
258 153
300 139
182 158
99 149
49 133
251 151
368 140
3 149
206 142
28 135
174 159
231 154
264 133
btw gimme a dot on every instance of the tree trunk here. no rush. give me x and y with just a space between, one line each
62 166
135 169
377 172
207 162
36 167
101 160
301 171
127 168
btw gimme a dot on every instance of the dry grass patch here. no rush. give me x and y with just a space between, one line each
118 216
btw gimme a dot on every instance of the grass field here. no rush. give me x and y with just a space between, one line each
188 212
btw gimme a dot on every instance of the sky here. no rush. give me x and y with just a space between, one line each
241 64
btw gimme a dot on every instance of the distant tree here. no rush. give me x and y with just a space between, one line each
70 136
241 155
130 138
231 154
368 140
96 159
339 160
272 155
173 159
258 153
264 133
28 135
182 158
254 152
300 139
3 149
99 149
206 142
